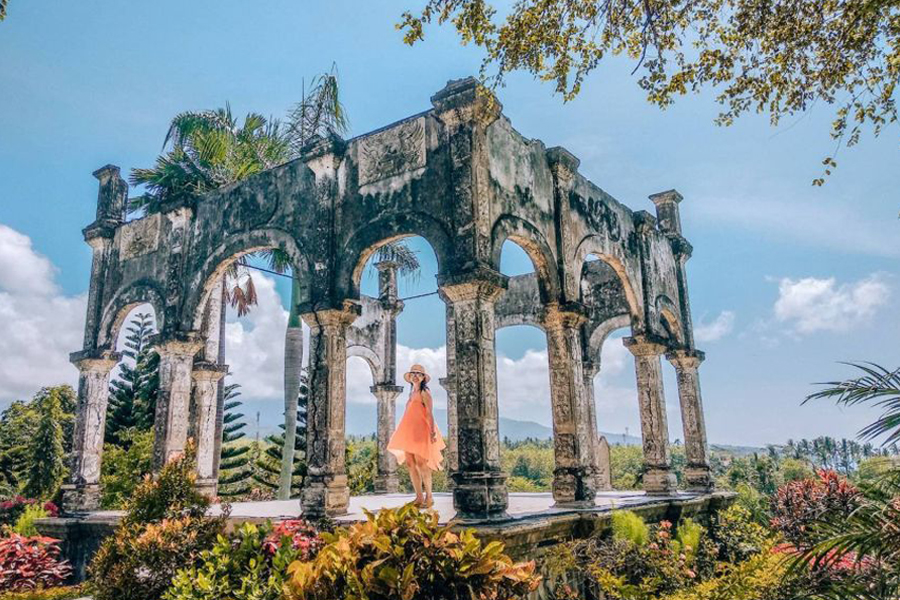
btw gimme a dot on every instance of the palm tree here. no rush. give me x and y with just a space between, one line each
870 536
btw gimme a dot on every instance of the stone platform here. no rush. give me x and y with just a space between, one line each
532 521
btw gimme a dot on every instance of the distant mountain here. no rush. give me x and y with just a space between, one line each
361 420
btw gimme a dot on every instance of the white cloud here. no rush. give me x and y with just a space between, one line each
810 304
715 329
41 325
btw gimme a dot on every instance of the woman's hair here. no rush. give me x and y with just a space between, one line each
422 386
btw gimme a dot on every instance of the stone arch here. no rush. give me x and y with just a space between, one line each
598 336
668 317
213 268
535 245
599 247
364 242
144 291
372 359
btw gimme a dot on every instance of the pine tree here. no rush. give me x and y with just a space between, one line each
132 398
268 465
236 460
46 449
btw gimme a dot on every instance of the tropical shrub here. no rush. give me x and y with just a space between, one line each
25 523
125 466
629 527
404 554
11 510
737 534
164 530
799 505
66 592
29 563
250 565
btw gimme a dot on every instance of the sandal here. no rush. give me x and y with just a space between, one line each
419 503
429 503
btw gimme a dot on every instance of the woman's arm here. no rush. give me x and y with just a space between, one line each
426 399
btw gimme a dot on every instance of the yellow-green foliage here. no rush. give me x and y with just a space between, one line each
761 577
66 592
689 534
25 523
627 526
404 554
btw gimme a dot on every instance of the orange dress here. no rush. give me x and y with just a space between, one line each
412 435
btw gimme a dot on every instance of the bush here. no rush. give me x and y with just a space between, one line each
404 554
799 505
737 535
164 530
251 565
67 592
124 468
11 510
629 527
30 563
25 523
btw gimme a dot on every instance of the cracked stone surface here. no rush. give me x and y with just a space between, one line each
463 178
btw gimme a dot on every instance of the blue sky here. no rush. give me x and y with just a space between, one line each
786 279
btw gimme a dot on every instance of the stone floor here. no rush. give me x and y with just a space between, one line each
522 505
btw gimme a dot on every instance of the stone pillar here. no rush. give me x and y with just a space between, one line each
325 491
206 376
697 471
386 481
658 476
480 491
452 455
590 369
573 432
82 493
176 360
604 473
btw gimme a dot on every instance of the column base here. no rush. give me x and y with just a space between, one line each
387 484
322 498
80 498
659 481
207 487
573 487
699 479
480 496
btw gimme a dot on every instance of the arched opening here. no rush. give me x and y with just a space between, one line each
402 323
523 376
131 405
246 315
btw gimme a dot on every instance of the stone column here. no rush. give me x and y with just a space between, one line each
480 491
325 491
658 476
452 455
206 376
176 360
604 473
82 493
386 481
573 433
590 369
697 472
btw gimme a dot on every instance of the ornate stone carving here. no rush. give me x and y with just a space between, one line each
140 237
393 151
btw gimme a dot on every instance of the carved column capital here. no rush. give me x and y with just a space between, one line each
208 371
482 283
685 358
645 345
386 390
180 345
563 164
569 315
95 361
333 317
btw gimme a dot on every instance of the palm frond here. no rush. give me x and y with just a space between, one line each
278 260
2 9
877 386
406 258
319 112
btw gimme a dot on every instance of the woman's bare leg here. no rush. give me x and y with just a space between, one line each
426 481
414 477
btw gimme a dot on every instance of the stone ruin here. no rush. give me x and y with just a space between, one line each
461 177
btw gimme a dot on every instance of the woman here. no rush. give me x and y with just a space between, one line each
417 441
